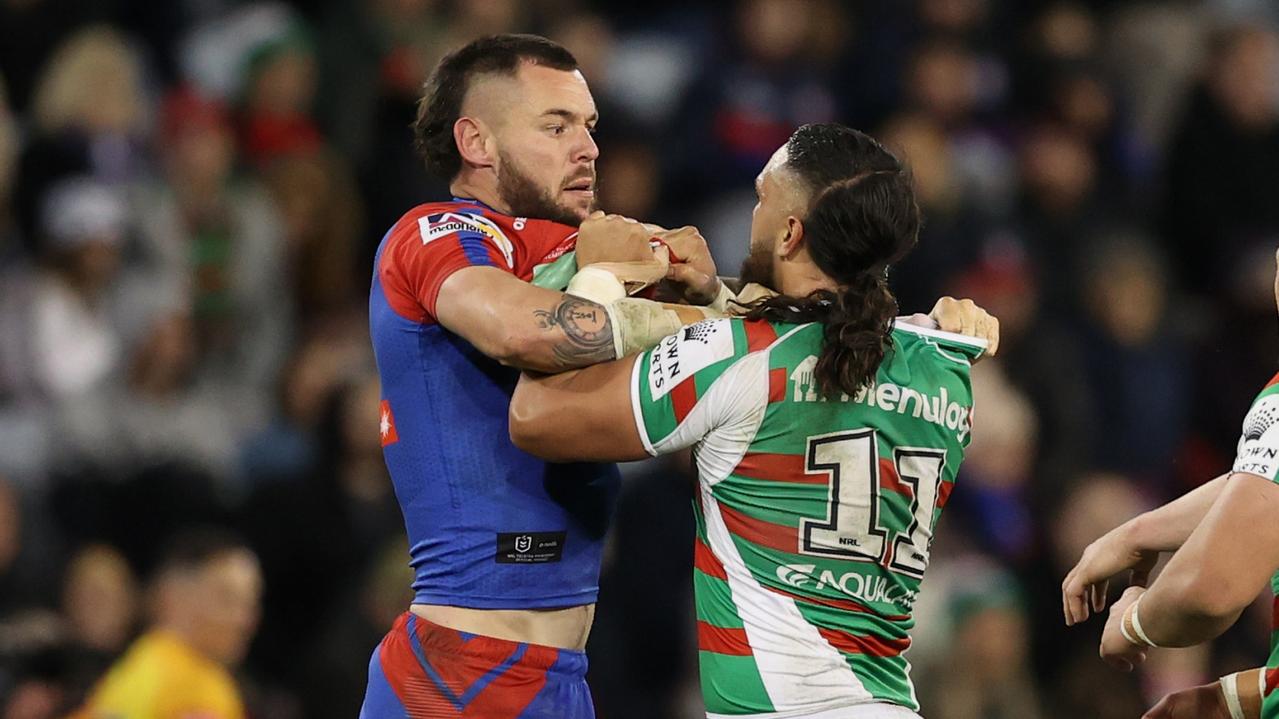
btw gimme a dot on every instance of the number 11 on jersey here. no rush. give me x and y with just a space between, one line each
853 528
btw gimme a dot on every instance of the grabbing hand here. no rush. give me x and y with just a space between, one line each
691 264
966 318
1086 585
1201 702
1115 649
612 238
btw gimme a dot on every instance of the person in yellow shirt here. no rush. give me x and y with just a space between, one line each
208 591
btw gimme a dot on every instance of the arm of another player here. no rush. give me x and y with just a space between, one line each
582 415
1134 545
1234 695
1216 574
668 398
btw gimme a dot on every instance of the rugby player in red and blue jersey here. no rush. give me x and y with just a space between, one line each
466 293
506 548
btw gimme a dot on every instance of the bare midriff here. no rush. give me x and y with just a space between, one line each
565 628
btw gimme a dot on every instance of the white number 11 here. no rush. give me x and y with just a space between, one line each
852 528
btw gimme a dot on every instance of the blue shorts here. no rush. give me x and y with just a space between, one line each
422 670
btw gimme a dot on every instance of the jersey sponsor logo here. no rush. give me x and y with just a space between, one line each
864 588
530 547
937 409
1258 451
1261 418
443 224
686 353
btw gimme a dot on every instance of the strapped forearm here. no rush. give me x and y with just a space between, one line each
637 324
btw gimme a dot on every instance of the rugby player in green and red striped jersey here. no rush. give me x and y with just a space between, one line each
827 441
1226 541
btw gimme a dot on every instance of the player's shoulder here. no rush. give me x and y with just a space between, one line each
1263 414
946 347
536 239
1258 451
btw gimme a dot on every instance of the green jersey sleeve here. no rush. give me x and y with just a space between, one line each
1258 451
693 382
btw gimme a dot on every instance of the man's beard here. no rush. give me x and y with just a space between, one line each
758 268
523 198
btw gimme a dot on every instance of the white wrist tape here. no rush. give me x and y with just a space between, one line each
640 324
1230 688
597 285
1136 625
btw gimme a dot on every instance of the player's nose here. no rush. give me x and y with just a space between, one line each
587 150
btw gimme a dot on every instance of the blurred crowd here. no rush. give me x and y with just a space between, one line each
191 193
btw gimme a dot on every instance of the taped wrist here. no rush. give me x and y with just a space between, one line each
725 295
1244 692
597 285
640 324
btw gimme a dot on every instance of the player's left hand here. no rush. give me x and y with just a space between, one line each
692 266
612 238
966 318
1115 649
1201 702
1086 585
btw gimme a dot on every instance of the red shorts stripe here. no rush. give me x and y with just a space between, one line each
438 672
1272 680
759 335
721 640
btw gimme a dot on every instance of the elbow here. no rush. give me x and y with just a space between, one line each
525 422
521 350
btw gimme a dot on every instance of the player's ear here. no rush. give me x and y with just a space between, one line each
474 142
793 240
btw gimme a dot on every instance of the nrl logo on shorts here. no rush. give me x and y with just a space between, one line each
523 543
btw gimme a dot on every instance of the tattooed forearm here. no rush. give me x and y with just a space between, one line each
587 328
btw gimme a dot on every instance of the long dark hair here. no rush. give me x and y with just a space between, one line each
862 218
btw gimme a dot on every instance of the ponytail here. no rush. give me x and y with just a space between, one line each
857 325
861 219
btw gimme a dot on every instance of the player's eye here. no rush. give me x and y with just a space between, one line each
556 129
590 129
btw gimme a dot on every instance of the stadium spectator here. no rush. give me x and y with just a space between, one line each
207 590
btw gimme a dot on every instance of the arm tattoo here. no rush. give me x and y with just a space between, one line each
588 332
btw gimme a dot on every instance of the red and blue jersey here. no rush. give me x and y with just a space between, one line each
489 525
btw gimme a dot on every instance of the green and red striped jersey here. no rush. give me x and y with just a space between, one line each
1258 454
814 516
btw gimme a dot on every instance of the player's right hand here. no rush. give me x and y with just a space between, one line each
965 317
692 266
1201 702
1086 585
612 238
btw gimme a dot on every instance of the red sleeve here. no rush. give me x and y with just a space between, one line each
550 241
424 250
